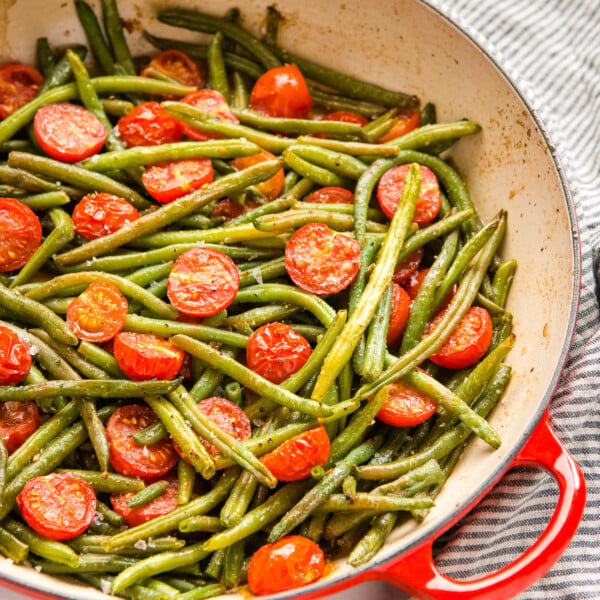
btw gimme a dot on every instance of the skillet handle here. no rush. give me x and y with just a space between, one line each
416 573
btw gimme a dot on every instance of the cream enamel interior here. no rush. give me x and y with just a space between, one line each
405 45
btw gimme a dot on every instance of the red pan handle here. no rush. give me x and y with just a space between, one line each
416 573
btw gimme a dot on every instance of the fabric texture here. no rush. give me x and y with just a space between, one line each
551 49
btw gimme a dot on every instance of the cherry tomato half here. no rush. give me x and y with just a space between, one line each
143 356
294 458
20 234
15 359
203 282
406 406
149 124
97 314
18 420
68 132
167 181
177 65
404 123
321 260
59 506
331 195
275 351
415 281
163 505
19 84
346 116
389 192
97 215
272 186
212 103
130 458
398 315
290 562
282 92
467 343
408 267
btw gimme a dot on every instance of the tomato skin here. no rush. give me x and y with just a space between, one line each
167 181
290 562
294 458
405 122
20 234
272 187
178 65
18 420
97 314
346 116
275 351
68 132
149 125
320 260
203 282
415 281
59 506
331 195
19 84
408 267
468 342
389 192
15 359
398 315
282 92
406 406
97 215
229 417
130 458
212 103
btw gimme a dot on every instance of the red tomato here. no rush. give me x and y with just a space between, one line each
282 92
97 215
167 181
321 260
229 417
290 562
331 195
20 234
294 459
414 282
398 315
408 267
467 343
406 406
389 192
404 122
68 132
130 458
15 359
59 506
98 314
345 116
213 104
271 187
177 65
18 420
203 282
19 84
143 356
230 209
149 124
163 505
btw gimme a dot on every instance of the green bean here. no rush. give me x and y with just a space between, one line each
292 219
149 493
109 515
162 587
332 102
210 379
240 98
101 358
186 477
201 523
428 115
318 175
3 469
215 565
373 540
232 564
46 200
275 206
94 35
233 392
12 547
349 147
9 146
344 165
108 483
259 316
44 56
116 35
239 499
27 181
502 281
94 544
200 221
217 74
206 591
272 26
136 592
382 124
428 136
62 72
376 343
88 563
116 107
375 502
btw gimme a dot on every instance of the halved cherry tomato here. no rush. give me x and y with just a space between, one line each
15 359
97 314
331 195
272 186
282 92
467 343
230 209
97 215
203 282
227 416
18 420
19 84
398 315
68 132
294 459
275 351
59 506
163 505
178 65
321 260
404 122
143 356
149 124
414 282
167 181
290 562
345 116
130 458
20 234
408 267
389 192
406 406
212 103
